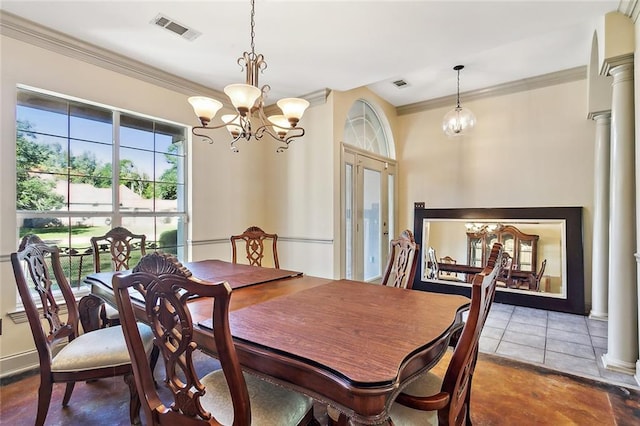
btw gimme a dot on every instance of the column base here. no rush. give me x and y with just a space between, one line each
618 365
600 316
637 376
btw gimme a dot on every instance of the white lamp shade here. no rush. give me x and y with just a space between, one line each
293 107
280 124
233 124
205 108
458 121
242 96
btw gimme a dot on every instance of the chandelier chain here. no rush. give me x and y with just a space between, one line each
253 26
458 100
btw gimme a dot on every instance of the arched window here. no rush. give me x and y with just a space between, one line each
365 129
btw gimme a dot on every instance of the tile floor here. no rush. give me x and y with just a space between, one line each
557 340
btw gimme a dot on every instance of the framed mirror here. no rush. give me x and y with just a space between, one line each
544 265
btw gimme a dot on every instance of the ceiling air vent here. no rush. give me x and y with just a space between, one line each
400 83
175 27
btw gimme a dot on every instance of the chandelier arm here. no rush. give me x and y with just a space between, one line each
202 135
296 132
233 147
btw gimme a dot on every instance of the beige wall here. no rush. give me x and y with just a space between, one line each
529 149
532 148
229 192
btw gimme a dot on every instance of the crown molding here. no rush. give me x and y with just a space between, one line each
531 83
29 32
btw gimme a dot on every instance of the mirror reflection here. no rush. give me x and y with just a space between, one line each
456 249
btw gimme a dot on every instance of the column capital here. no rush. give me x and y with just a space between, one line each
599 115
611 63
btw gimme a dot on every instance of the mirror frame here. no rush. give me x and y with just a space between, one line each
572 216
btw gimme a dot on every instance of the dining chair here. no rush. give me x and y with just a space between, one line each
228 395
448 274
429 399
99 354
504 278
254 238
433 270
533 282
402 261
435 273
124 249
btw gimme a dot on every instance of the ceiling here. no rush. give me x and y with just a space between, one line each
340 45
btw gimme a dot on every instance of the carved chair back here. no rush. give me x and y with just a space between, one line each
507 267
451 261
402 262
80 359
166 285
254 238
121 245
538 277
457 379
36 259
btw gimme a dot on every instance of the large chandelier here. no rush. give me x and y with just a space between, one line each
250 120
459 120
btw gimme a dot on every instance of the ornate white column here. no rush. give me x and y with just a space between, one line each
622 347
600 265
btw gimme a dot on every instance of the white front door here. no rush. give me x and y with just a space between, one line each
368 220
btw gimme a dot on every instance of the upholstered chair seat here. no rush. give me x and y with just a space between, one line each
101 348
111 313
426 384
270 404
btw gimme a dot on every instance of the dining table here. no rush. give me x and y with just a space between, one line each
350 344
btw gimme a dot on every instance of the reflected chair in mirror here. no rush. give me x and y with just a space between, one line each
504 279
432 269
430 399
435 270
227 396
254 239
533 281
99 354
449 275
402 261
119 248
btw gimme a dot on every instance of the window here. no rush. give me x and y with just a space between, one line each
69 191
364 129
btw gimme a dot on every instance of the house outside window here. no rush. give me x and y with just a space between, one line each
68 189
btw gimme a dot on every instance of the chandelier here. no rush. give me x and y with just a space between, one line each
459 120
250 121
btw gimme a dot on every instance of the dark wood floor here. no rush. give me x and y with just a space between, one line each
505 392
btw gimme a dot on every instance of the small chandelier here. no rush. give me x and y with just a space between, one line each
250 120
459 120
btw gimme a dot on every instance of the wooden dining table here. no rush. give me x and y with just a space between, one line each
350 344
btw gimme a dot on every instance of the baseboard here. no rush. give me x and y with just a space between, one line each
17 364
